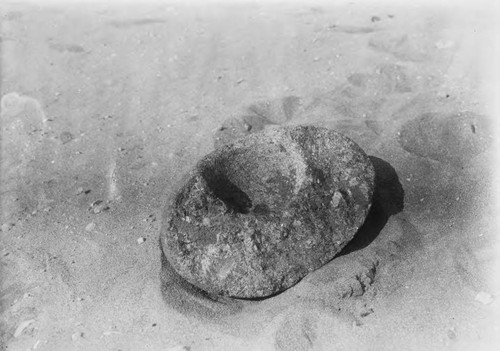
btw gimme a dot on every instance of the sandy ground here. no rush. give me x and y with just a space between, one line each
105 107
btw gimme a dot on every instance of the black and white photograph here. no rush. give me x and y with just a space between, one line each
249 175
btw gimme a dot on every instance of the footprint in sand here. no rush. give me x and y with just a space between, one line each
22 125
387 79
355 108
364 96
12 104
453 139
21 112
23 146
307 326
297 333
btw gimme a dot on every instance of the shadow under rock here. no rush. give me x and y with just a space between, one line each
388 200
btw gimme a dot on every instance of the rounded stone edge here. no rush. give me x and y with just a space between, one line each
279 134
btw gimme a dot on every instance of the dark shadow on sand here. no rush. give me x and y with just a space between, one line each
388 200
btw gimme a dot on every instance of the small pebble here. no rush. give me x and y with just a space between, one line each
337 196
141 240
484 298
79 191
98 206
90 227
442 94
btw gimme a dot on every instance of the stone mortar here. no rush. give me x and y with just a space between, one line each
256 216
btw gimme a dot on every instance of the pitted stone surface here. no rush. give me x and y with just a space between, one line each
255 216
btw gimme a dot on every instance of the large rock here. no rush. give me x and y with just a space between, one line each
254 217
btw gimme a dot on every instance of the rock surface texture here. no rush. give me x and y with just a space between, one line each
255 216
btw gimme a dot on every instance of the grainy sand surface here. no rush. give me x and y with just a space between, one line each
105 107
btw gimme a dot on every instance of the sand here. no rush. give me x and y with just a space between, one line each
106 107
